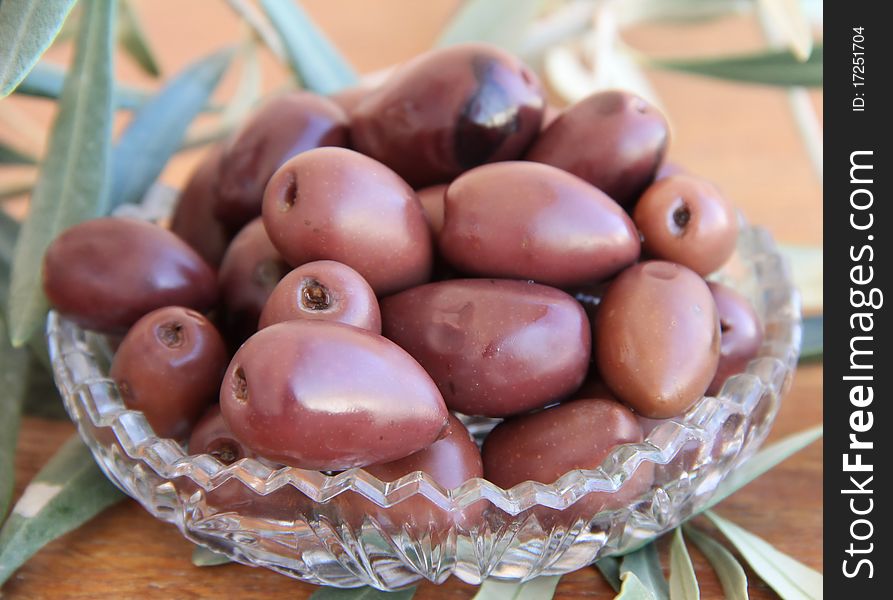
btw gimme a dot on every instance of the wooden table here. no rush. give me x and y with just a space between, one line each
740 136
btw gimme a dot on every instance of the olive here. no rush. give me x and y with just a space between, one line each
667 169
106 273
250 270
656 338
194 221
494 347
450 462
349 98
169 366
211 435
614 140
283 127
740 330
449 110
327 396
545 445
324 290
524 220
336 204
550 113
432 198
686 220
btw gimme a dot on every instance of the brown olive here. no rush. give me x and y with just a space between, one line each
524 220
323 290
550 113
686 220
656 338
494 347
740 330
328 396
614 140
282 128
194 221
449 110
250 270
169 366
349 98
106 273
211 435
336 204
669 168
432 198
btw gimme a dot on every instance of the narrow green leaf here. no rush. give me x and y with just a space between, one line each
67 492
361 593
204 557
11 156
807 267
790 578
158 128
762 461
681 11
134 41
73 181
27 29
610 570
771 68
12 395
729 571
15 189
312 57
540 588
633 589
813 344
9 231
644 563
499 22
790 18
683 581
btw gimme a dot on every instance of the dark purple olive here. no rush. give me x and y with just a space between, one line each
250 270
169 366
614 140
656 338
432 198
106 273
328 396
279 130
211 435
194 221
323 290
686 220
494 347
450 110
740 330
336 204
524 220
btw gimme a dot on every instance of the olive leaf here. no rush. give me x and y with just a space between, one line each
205 557
134 41
67 492
499 22
813 341
539 588
72 185
157 129
27 29
731 575
635 11
644 563
9 232
15 189
609 567
790 578
631 588
789 16
683 581
774 67
312 57
12 156
361 593
12 395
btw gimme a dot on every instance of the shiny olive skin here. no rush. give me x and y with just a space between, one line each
449 110
336 204
211 435
280 129
169 366
349 98
194 221
656 338
323 290
494 347
432 199
686 220
328 396
580 434
614 140
669 168
524 220
450 461
740 330
106 273
250 270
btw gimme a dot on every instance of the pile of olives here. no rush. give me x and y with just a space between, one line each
345 273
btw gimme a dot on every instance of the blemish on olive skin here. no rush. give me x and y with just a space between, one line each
724 326
126 392
289 197
240 386
314 295
171 334
225 450
681 218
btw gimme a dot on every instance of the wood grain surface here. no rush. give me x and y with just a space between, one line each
740 136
